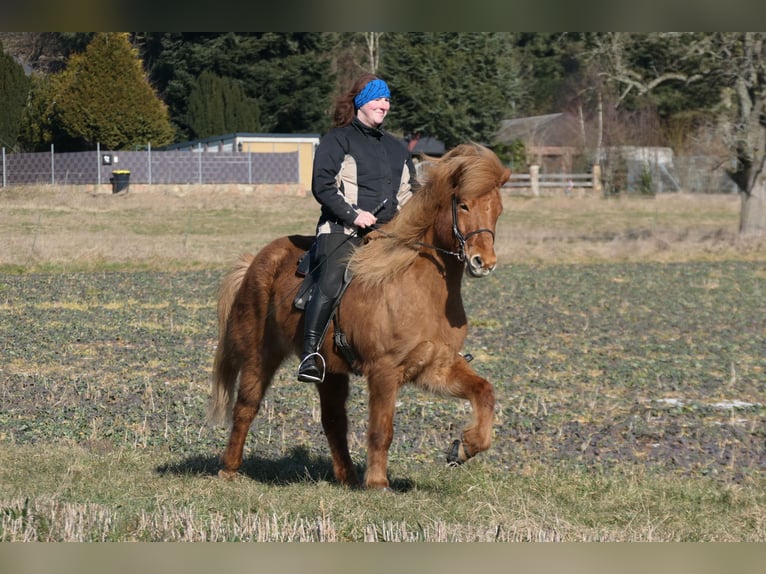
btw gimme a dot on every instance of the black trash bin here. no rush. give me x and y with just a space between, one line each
120 180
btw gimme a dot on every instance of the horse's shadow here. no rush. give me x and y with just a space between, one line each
298 465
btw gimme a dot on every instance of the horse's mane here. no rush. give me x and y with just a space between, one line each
467 171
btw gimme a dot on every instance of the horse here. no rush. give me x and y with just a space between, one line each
402 314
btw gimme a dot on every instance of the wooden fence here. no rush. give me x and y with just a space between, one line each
555 183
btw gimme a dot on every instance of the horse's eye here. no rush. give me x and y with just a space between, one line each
464 207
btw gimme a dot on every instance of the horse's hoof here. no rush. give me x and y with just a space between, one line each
453 454
379 488
227 474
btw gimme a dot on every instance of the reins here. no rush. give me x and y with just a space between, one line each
456 233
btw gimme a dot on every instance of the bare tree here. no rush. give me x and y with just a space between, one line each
373 49
741 59
614 49
734 60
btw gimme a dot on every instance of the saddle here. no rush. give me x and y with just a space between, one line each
303 296
307 286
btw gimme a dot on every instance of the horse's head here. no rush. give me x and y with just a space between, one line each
451 217
476 205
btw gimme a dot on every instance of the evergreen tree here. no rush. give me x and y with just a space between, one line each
14 88
549 63
453 86
293 81
289 74
103 96
219 105
37 130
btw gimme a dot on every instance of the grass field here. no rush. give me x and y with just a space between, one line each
625 339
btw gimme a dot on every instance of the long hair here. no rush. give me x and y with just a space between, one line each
344 104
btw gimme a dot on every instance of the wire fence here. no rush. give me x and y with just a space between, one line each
696 174
148 166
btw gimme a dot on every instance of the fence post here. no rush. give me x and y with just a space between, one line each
149 155
199 163
596 177
4 167
534 179
53 167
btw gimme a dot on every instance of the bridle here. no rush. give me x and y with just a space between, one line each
463 239
456 233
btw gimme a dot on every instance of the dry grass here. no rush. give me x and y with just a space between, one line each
124 500
208 226
672 227
181 226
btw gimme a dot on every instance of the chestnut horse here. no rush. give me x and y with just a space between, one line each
402 314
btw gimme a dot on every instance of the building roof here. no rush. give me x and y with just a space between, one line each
242 136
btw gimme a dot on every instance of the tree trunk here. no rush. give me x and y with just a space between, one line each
752 219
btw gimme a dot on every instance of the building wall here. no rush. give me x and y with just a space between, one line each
304 149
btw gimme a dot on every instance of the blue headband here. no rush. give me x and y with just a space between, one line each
372 91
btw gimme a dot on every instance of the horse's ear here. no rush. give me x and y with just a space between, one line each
457 175
505 176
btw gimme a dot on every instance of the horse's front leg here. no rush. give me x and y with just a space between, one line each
380 428
333 393
477 436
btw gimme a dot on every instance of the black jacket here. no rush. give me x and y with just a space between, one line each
355 168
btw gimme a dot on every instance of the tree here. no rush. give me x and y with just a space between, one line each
727 66
37 130
740 59
293 81
372 40
219 105
289 75
547 63
14 88
453 86
103 96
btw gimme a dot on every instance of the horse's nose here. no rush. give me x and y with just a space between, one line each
478 267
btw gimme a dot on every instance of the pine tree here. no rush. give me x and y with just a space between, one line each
37 129
289 74
460 88
219 105
14 88
103 97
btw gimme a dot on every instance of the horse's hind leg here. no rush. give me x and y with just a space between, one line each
254 379
333 393
477 436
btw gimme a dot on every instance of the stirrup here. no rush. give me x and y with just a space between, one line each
310 378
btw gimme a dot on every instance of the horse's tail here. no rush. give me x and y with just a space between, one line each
226 364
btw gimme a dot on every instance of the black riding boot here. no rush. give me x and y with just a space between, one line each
318 311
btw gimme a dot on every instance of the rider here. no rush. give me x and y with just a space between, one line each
357 166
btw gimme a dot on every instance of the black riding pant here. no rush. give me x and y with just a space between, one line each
333 251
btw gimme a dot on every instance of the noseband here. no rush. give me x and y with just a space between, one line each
462 239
